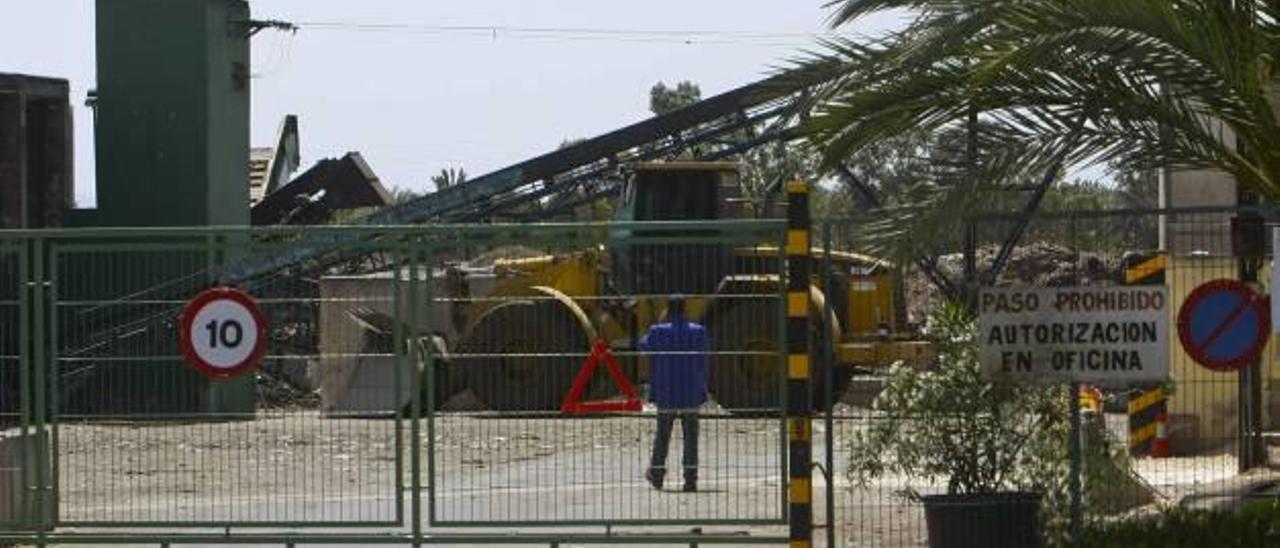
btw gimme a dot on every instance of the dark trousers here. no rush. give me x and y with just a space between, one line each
662 442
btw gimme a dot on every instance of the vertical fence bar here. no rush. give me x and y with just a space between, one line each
1075 487
401 347
40 366
799 395
53 340
783 387
415 427
828 397
1247 243
26 367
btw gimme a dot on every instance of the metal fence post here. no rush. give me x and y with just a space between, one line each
799 385
1075 485
41 366
417 259
1249 242
828 369
1075 448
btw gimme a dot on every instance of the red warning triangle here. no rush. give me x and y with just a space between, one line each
573 406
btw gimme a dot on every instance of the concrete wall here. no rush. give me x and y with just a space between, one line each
350 379
10 479
342 339
1199 233
1205 403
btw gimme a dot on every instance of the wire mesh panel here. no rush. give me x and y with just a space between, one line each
559 341
16 472
142 439
1210 427
875 304
1204 413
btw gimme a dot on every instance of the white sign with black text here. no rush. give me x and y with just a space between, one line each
1105 336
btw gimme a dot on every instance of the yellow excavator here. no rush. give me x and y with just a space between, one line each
538 309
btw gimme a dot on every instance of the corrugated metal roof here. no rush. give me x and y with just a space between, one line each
259 162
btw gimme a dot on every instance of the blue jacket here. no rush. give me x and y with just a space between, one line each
677 381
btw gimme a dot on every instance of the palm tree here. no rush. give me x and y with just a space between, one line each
449 177
1043 85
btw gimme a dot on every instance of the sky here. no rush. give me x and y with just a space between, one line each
417 86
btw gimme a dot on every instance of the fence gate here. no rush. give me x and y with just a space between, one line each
416 386
532 304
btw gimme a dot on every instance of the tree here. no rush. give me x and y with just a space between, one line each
449 177
1138 84
400 195
767 167
581 204
764 168
664 100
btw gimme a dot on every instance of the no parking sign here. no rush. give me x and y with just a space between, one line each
1224 324
222 332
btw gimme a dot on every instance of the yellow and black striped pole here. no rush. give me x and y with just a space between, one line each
799 404
1145 411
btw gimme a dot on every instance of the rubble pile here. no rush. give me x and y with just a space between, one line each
1037 265
275 392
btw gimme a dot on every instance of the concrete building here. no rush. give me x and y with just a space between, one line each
172 128
36 151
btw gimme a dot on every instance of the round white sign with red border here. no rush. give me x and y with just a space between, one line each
222 332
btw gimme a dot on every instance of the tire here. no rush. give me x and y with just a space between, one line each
746 376
840 377
752 384
523 355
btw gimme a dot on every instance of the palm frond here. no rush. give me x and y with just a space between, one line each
1135 83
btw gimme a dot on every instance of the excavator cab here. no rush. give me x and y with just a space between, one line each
681 191
643 263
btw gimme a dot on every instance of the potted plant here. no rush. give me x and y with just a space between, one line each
1000 449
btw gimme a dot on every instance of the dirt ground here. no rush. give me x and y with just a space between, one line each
299 466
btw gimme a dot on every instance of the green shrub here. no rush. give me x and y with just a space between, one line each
949 424
1254 526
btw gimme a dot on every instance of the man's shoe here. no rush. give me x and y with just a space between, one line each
654 478
690 487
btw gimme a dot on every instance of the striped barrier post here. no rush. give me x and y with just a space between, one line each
1147 412
799 406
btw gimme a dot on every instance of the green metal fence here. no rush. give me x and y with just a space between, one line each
411 388
507 455
1221 427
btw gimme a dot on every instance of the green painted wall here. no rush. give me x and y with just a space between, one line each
172 125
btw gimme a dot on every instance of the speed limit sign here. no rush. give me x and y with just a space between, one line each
222 332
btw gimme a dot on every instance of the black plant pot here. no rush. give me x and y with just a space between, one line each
989 520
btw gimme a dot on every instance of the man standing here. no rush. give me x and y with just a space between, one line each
677 386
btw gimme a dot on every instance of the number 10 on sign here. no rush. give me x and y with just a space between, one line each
222 333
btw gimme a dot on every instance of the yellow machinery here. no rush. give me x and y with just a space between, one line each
540 309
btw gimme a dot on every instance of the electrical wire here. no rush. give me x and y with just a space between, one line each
495 32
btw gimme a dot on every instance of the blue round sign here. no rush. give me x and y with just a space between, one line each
1224 324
